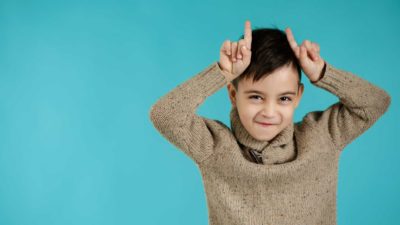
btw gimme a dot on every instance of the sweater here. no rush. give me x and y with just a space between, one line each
297 182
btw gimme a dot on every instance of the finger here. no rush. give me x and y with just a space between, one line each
242 42
246 52
303 53
314 55
233 50
246 55
223 53
315 47
248 34
308 45
226 47
309 48
290 37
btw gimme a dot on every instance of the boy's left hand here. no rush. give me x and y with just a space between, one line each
308 55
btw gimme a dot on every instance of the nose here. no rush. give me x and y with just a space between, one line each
268 110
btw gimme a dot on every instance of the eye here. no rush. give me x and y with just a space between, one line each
255 97
288 99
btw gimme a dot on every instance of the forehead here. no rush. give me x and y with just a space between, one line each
281 80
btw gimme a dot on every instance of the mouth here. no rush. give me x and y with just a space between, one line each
265 124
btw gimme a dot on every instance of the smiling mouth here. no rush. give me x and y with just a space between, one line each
265 124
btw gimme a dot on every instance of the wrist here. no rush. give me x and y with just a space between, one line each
321 75
226 74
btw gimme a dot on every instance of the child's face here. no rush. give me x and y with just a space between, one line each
269 105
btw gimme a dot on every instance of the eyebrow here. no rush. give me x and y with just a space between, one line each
259 92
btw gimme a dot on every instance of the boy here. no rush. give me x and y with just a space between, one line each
266 169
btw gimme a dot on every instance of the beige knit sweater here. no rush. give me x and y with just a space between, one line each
297 183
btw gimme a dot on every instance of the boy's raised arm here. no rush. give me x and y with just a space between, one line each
174 115
361 103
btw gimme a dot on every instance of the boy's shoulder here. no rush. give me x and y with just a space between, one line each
317 120
316 116
215 123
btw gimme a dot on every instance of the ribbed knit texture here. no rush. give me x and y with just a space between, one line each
297 183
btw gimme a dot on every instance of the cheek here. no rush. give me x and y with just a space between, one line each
247 112
252 109
288 111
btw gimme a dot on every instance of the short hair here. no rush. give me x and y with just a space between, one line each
270 50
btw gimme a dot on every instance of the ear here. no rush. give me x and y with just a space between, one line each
300 92
232 94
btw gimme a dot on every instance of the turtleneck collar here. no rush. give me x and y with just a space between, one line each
241 134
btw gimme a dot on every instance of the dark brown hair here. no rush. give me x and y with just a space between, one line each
270 50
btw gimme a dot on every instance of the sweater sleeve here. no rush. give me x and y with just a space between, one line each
174 114
360 105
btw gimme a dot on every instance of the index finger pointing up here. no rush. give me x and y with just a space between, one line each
290 37
247 34
292 41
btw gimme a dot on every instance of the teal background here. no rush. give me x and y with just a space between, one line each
77 79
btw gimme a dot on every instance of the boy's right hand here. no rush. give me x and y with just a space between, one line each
235 57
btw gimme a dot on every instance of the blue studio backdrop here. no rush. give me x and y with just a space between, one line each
78 78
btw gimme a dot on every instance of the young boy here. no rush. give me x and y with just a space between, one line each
266 169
